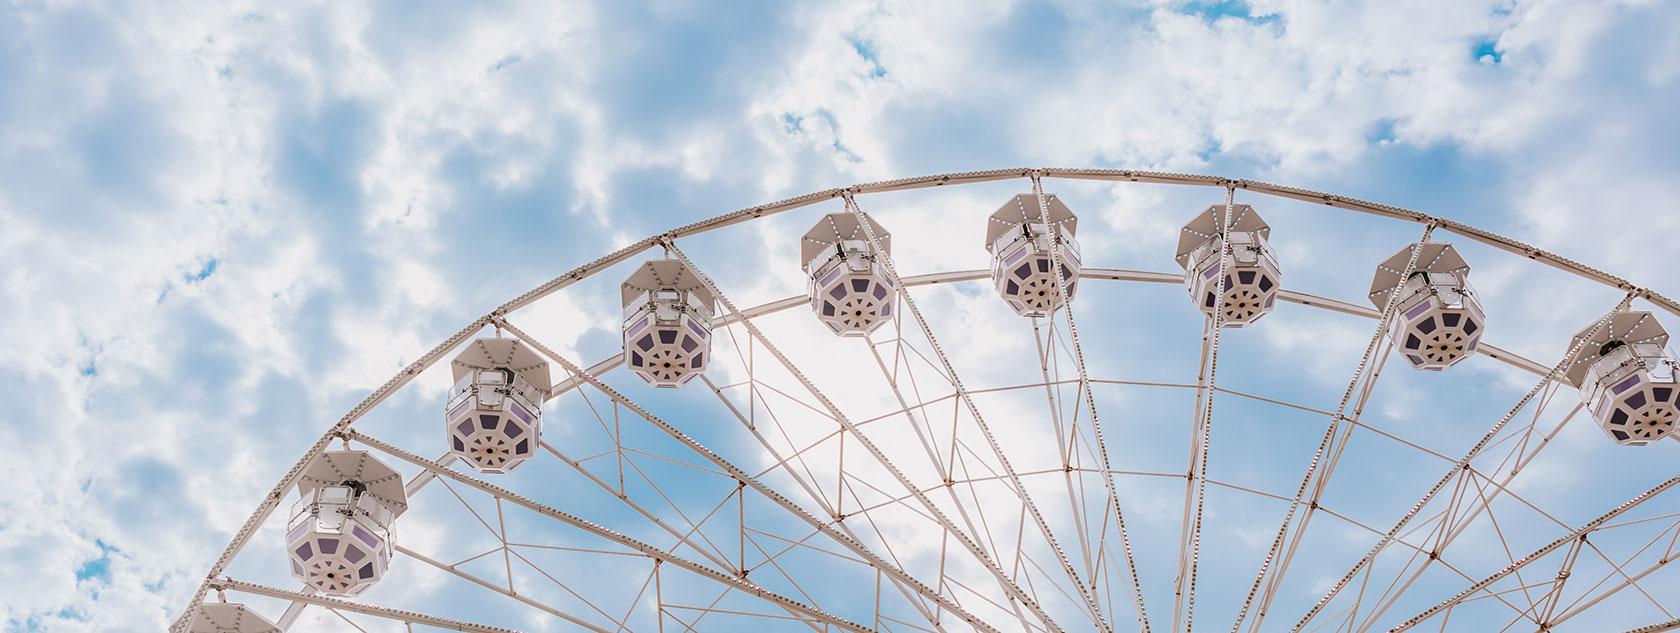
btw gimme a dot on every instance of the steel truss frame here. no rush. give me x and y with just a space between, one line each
1079 431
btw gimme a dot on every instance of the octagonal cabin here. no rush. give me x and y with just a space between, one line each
338 536
493 418
1437 319
1628 379
850 290
1251 286
1025 251
667 323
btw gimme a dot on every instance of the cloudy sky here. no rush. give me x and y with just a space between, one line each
222 224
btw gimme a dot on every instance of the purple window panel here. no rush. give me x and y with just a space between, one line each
366 537
1636 400
467 404
1626 384
1420 309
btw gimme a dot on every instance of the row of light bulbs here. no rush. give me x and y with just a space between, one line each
338 536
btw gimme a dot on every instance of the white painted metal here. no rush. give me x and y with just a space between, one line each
493 417
1439 317
667 323
1628 380
1229 266
850 292
1021 590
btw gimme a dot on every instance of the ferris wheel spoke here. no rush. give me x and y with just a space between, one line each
1574 541
1463 463
741 476
1101 448
875 451
783 462
1184 594
337 605
926 437
734 582
1086 597
272 499
1065 438
981 488
1618 571
1362 383
1454 525
916 414
797 455
494 587
512 550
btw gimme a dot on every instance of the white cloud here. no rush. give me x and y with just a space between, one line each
236 220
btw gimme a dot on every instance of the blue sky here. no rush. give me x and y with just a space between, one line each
221 225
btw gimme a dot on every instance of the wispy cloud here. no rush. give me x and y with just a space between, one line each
220 226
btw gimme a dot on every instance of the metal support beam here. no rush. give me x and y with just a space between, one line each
740 584
1313 479
886 261
268 503
1456 470
1578 535
337 604
743 477
870 446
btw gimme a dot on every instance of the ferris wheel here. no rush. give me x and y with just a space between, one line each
1014 433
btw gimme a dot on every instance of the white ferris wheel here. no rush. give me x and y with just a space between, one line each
1044 442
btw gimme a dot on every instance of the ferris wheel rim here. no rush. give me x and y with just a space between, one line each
270 502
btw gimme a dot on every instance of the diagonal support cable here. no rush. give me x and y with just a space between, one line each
743 477
1091 405
886 261
1463 464
338 604
1185 588
1578 536
880 456
733 582
1327 444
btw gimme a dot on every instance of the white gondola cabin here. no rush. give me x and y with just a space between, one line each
1438 318
850 290
1628 379
338 535
1024 250
493 417
1251 285
667 323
